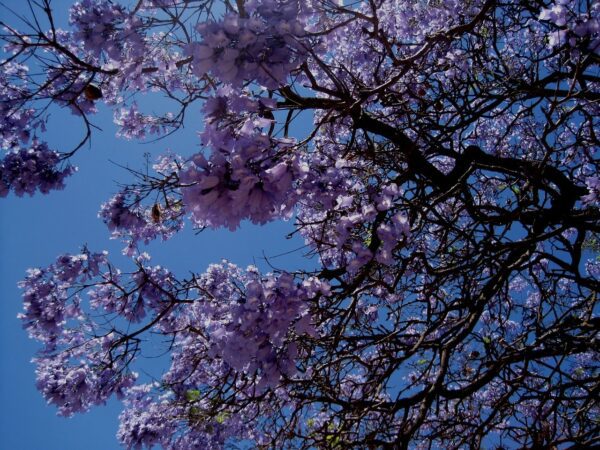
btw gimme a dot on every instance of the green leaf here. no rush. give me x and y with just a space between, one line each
192 395
222 417
332 440
368 239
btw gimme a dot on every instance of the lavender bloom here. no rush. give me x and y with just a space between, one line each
26 170
135 223
264 47
593 186
247 182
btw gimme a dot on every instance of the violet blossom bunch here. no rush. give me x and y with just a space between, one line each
265 46
249 184
26 170
573 27
240 324
133 222
248 173
106 29
73 372
18 122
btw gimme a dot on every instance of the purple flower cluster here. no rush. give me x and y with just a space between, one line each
17 121
248 176
152 419
336 205
46 300
264 47
106 28
557 14
150 291
73 371
47 303
76 387
573 28
135 125
133 222
248 332
151 294
26 170
392 235
144 421
117 215
593 187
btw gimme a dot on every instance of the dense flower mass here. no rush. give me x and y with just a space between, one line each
237 322
440 161
27 170
128 219
73 371
573 27
249 174
247 182
248 335
105 28
264 46
18 122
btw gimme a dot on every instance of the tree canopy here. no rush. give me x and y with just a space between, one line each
445 185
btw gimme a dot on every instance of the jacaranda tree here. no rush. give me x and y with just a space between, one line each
445 184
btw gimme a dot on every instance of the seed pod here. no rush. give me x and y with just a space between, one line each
467 370
156 213
474 354
92 92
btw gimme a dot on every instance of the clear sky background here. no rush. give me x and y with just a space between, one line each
35 230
